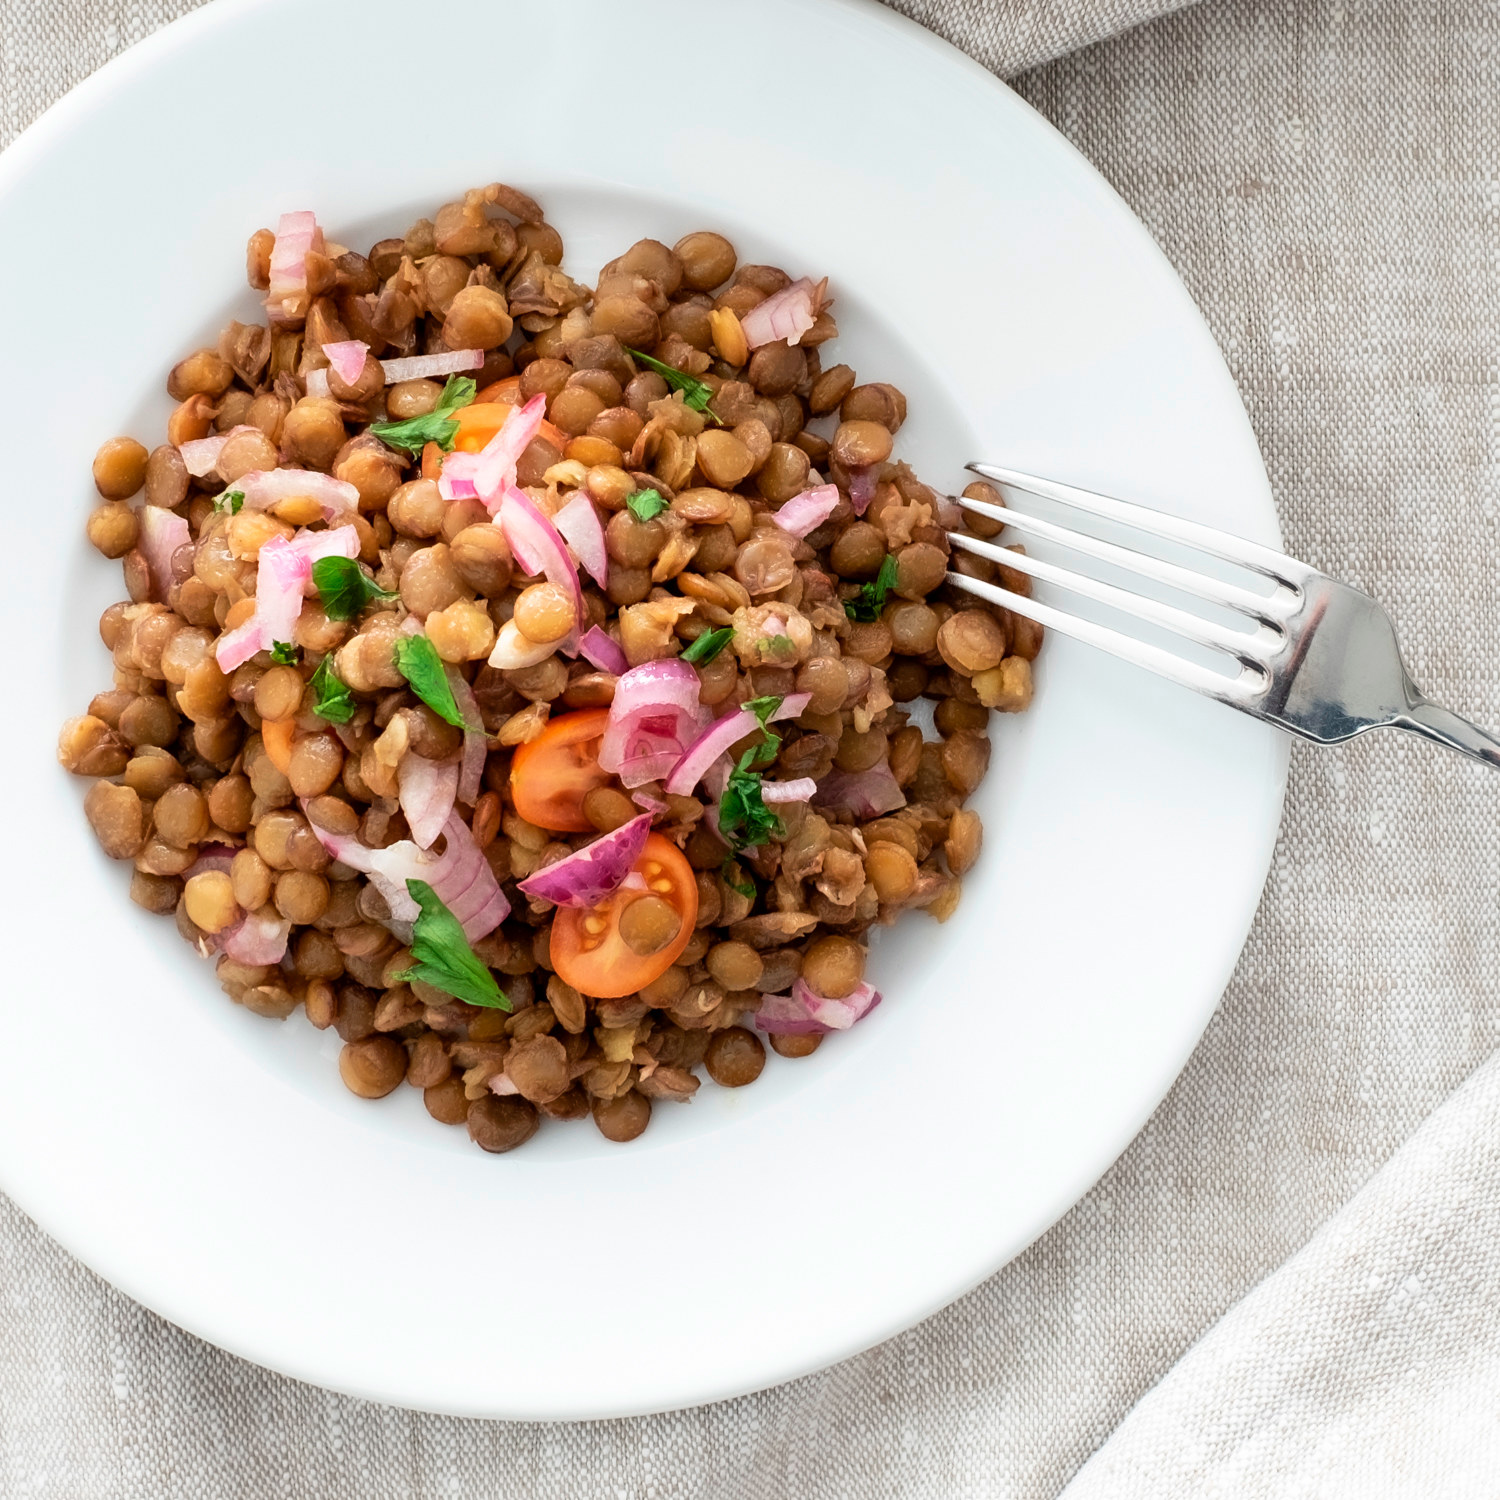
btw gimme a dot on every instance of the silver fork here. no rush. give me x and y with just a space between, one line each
1317 658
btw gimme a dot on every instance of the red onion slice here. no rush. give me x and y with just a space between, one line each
282 578
427 366
806 1013
806 512
316 382
461 875
347 358
495 474
263 488
588 875
578 525
536 544
600 650
296 234
653 805
426 790
259 938
456 482
863 479
476 741
867 794
201 454
715 741
162 533
800 790
655 712
786 314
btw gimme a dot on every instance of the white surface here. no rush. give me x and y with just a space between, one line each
210 1163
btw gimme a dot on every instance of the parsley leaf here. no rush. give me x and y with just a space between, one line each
444 958
284 653
438 426
866 605
695 393
744 818
775 646
763 708
344 587
645 504
332 699
422 667
230 500
729 870
708 645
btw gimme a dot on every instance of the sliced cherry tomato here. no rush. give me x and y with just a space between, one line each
550 776
590 952
481 420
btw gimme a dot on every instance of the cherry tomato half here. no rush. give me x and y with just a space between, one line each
591 946
481 420
550 776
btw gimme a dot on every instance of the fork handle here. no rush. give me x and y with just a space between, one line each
1445 728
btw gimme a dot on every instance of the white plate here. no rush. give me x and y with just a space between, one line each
210 1163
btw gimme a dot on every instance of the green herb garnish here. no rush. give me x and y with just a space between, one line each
729 870
422 667
646 504
332 699
744 818
284 653
866 605
696 393
444 958
776 646
344 587
763 708
708 645
230 501
438 426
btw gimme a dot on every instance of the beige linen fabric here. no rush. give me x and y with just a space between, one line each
1325 175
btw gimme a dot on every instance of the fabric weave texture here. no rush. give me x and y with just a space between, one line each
1269 1294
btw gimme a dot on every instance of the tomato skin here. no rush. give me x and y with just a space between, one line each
551 775
602 965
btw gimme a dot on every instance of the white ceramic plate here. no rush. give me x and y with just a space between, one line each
210 1163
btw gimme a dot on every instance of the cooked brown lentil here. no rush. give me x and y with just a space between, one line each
217 786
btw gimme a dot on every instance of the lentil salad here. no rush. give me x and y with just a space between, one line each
514 673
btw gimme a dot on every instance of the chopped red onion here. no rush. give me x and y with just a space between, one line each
426 790
655 713
653 805
296 234
601 651
578 525
211 857
863 479
867 794
316 382
201 454
588 875
536 545
786 314
162 533
806 1013
282 578
799 790
347 358
806 512
495 473
456 481
461 875
258 939
263 488
427 366
476 741
715 741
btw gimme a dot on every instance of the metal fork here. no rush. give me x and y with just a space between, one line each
1317 657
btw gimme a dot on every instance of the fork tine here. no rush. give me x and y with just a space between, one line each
1238 643
1237 691
1220 544
1267 609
